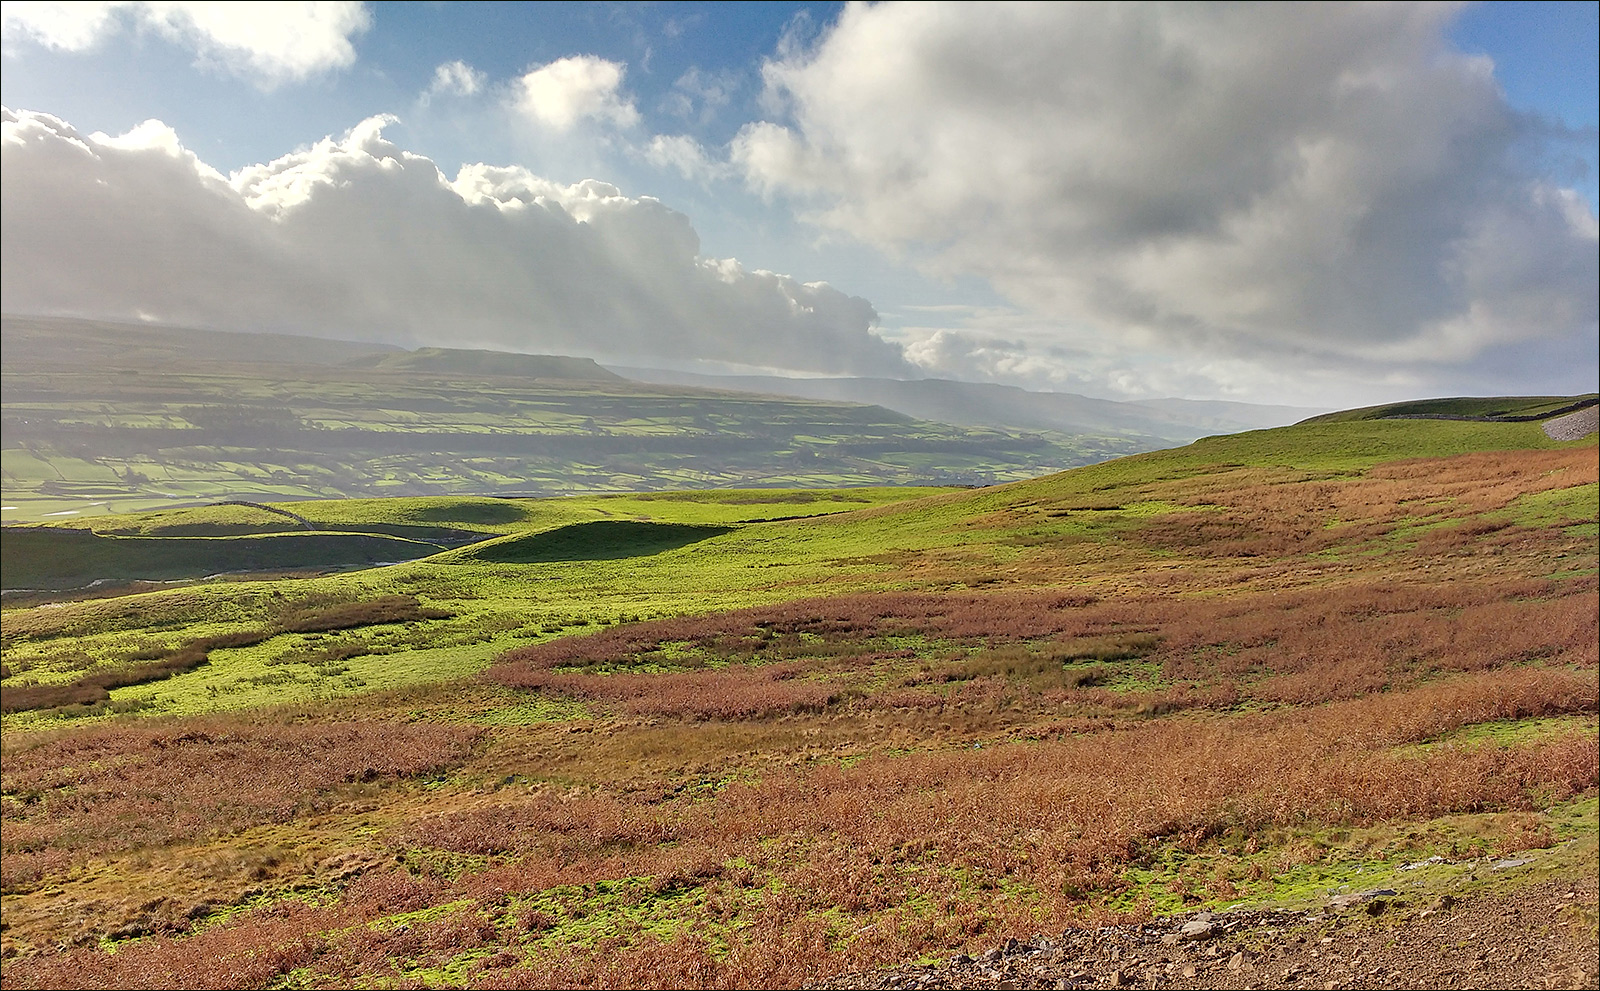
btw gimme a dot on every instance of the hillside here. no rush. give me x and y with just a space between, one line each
183 418
1154 423
771 737
1505 409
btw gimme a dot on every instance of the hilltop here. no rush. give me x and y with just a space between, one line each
477 362
770 737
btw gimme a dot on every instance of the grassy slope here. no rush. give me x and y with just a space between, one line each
847 815
208 540
1070 528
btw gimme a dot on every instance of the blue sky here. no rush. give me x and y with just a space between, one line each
1328 207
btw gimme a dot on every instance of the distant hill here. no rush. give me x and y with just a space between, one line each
42 342
105 418
972 404
479 362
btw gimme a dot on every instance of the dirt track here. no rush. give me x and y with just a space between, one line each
1542 935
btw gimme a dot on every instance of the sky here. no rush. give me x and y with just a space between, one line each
1315 204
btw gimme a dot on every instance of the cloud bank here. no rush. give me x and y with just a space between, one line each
269 44
1310 186
356 238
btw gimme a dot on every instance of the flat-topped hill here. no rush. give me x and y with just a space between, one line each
463 361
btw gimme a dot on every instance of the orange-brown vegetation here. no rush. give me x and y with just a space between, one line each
94 792
1299 647
781 872
906 851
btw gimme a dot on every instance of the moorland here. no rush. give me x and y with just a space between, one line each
760 737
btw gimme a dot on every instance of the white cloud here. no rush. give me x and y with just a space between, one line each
355 237
454 79
1296 186
269 43
686 156
70 27
569 90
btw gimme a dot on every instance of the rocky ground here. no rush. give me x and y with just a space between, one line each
1574 425
1539 935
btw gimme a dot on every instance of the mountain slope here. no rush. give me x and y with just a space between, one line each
1154 422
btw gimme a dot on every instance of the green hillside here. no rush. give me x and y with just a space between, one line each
1467 408
766 737
1137 522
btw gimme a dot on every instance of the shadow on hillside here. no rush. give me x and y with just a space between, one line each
485 511
597 541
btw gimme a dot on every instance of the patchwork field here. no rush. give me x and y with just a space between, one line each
108 421
761 738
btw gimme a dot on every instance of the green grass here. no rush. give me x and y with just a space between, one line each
600 540
663 554
1576 507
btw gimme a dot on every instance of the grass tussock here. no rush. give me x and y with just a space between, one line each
321 618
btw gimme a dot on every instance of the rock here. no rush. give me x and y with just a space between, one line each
1507 864
1236 962
1358 898
1422 863
1197 928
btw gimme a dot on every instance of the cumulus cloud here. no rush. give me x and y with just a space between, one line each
268 43
1315 185
454 79
357 238
569 90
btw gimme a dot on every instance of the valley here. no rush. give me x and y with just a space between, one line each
110 419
